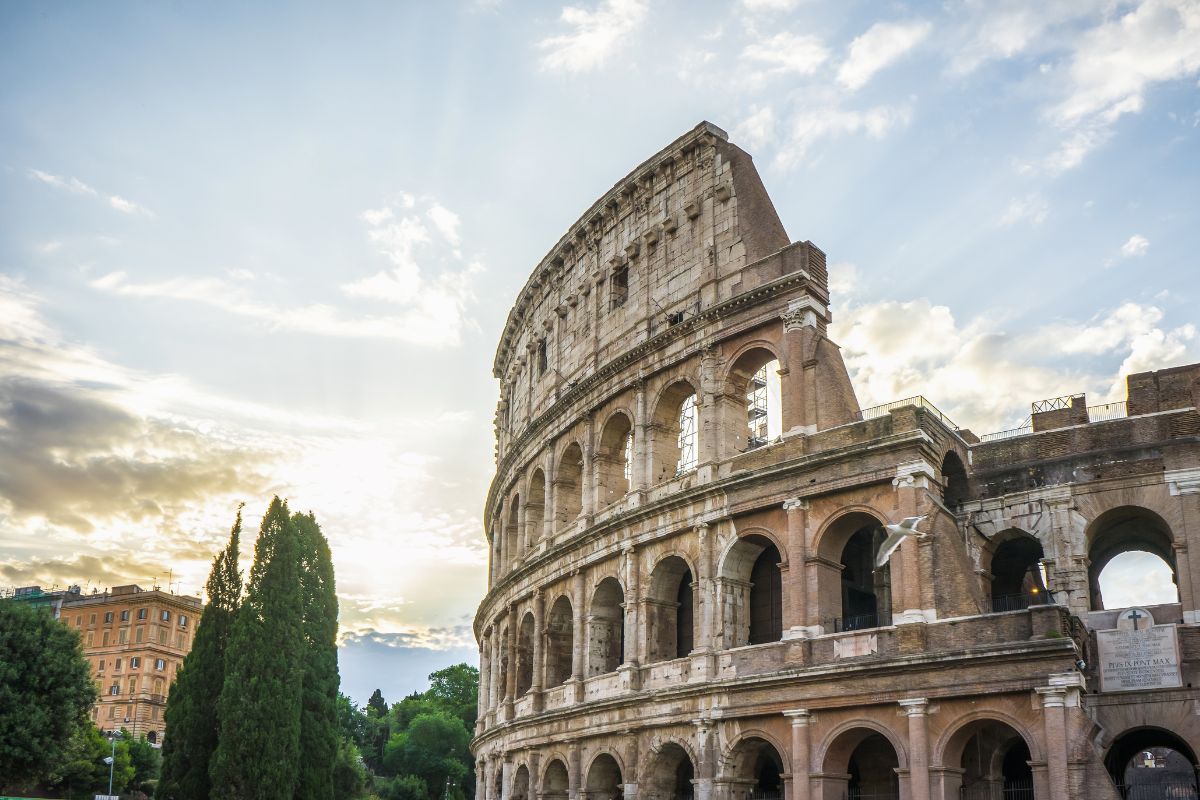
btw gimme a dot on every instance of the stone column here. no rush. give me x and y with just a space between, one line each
795 601
633 640
506 776
578 637
918 745
485 677
510 685
480 780
539 649
630 775
907 606
801 758
1054 717
502 547
709 430
706 768
588 478
549 512
574 770
522 538
797 319
1185 486
640 469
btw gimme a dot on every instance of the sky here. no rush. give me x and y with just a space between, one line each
256 248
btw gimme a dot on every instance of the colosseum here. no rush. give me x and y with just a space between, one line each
705 578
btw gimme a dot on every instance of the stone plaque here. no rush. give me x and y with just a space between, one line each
1138 654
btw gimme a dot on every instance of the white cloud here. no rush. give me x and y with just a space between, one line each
787 53
594 35
445 221
47 248
757 130
78 187
1135 246
810 125
843 280
881 45
1031 207
999 29
769 5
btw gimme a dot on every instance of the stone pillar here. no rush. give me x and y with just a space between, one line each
795 599
578 637
793 393
588 506
910 481
1054 717
1185 486
510 685
480 779
640 469
549 512
801 758
574 770
709 430
630 776
539 649
634 644
522 537
485 677
706 767
506 776
502 547
918 746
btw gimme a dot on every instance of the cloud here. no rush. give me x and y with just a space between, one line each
757 130
445 221
881 45
1135 246
809 126
1032 208
787 53
989 30
593 35
897 349
78 187
769 5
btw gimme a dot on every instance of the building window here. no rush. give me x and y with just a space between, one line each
132 685
141 613
543 358
179 641
162 635
687 435
117 665
628 456
112 712
114 690
104 643
125 615
123 635
135 662
100 666
183 620
619 288
79 622
160 664
92 620
90 636
108 617
166 616
139 634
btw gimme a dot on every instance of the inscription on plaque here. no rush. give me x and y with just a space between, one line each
1138 654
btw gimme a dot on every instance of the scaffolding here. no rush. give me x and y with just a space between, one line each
756 408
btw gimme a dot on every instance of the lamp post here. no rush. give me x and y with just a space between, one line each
112 759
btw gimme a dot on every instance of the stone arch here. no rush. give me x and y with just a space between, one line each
560 641
535 507
670 451
864 757
520 784
525 636
604 781
988 754
1160 743
955 485
1123 529
751 587
669 773
852 593
670 607
1012 560
568 487
556 779
606 627
754 765
614 458
498 782
753 411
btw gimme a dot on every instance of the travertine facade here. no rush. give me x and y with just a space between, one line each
687 512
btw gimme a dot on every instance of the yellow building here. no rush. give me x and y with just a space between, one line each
135 640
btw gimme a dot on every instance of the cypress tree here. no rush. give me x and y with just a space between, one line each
258 755
191 716
318 714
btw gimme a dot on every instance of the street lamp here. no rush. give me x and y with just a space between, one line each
112 759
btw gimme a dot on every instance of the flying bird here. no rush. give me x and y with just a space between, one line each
897 532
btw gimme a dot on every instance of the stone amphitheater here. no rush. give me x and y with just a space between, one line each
691 593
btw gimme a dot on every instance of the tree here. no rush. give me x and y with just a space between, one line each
145 760
83 773
353 722
435 747
349 775
456 689
46 692
191 716
258 752
377 706
318 714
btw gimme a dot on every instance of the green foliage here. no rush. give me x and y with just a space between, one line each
434 748
191 716
318 715
46 692
353 723
258 753
456 689
146 761
405 787
349 774
82 772
377 706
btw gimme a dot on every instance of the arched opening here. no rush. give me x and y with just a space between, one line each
1016 569
568 487
535 507
498 783
1123 530
758 770
670 775
614 459
555 783
512 534
866 591
868 761
994 759
676 438
504 665
520 787
606 628
152 737
525 635
604 779
559 642
669 610
753 387
1152 764
751 587
954 481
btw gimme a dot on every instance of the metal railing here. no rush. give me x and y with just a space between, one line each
1019 789
1008 434
919 401
1054 403
1181 789
1010 602
1107 411
766 794
857 622
855 793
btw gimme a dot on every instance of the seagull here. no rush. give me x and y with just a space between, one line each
897 534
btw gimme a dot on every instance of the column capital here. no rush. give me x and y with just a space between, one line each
1052 696
795 504
801 313
915 706
800 716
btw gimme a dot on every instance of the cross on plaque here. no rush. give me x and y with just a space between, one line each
1135 615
